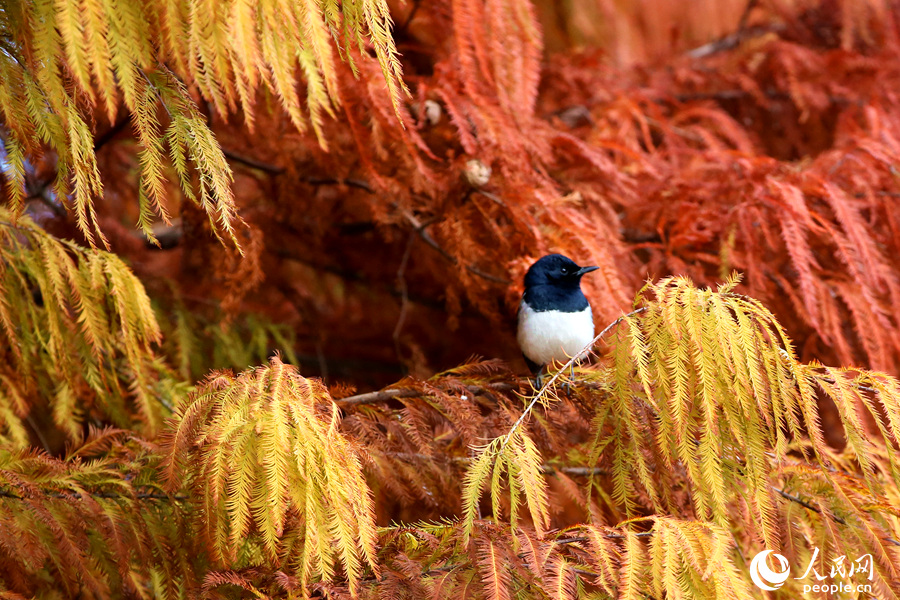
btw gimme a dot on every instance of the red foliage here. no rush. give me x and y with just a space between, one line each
769 151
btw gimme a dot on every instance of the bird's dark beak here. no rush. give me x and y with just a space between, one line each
585 270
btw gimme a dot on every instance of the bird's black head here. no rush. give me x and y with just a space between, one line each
555 269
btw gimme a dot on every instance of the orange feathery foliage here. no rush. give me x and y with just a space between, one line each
373 239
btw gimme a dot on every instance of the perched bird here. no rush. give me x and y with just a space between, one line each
555 321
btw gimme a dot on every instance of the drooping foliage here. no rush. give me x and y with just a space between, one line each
94 523
662 469
684 406
263 452
768 151
242 220
65 64
76 335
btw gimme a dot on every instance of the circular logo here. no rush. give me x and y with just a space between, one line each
763 576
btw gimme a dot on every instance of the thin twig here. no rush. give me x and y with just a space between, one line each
391 394
37 431
745 16
412 13
577 471
543 391
806 504
816 509
731 40
110 133
404 295
559 542
419 227
546 469
357 183
252 162
111 495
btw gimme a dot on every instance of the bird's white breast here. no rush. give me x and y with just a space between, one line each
551 335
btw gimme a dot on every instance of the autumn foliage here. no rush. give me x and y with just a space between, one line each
250 253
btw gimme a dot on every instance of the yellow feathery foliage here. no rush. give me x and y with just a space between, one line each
668 558
264 456
76 332
62 59
715 380
702 394
516 458
266 490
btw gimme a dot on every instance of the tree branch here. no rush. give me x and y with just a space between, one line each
110 133
412 13
252 162
546 469
419 227
816 509
73 495
391 394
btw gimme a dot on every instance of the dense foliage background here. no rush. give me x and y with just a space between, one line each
193 185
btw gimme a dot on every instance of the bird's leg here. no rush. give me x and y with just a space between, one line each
539 379
567 385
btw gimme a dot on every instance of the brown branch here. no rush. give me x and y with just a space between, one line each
419 227
110 133
404 296
742 22
70 495
739 94
577 471
357 183
488 276
733 39
560 541
818 510
252 162
391 394
276 170
412 13
546 469
806 504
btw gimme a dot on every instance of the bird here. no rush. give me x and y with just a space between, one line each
554 320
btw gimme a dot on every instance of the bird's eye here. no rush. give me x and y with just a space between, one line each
565 270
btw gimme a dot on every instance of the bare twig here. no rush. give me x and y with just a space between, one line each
576 471
391 394
732 40
357 183
419 227
558 542
543 391
37 432
610 536
742 22
276 170
412 13
404 295
546 469
110 133
377 397
73 495
806 504
816 509
252 162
